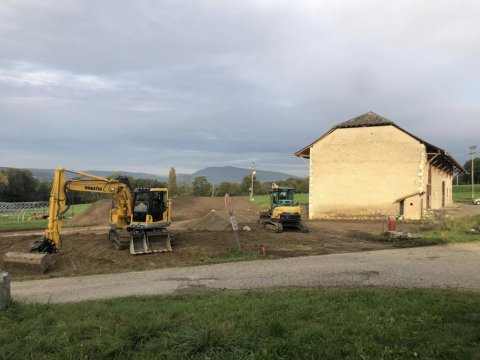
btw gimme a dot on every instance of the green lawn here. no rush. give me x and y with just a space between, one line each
464 192
264 200
285 324
11 225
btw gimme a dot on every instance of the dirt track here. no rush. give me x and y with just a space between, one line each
89 251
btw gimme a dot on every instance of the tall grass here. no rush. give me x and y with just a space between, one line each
453 230
293 324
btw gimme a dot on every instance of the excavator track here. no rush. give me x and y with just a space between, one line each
273 226
120 238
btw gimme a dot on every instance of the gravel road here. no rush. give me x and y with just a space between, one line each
442 267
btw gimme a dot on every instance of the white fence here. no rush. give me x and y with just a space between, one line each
22 211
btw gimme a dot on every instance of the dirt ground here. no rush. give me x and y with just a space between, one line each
201 230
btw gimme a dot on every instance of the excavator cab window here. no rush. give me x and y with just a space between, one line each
140 206
158 205
282 197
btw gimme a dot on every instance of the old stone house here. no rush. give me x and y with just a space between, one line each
369 167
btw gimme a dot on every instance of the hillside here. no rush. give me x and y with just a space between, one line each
214 175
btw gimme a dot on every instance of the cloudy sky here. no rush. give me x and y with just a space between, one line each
146 85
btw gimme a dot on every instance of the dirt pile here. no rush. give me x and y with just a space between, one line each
194 213
212 221
209 214
97 214
196 207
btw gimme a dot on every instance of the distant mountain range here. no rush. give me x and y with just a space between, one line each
215 175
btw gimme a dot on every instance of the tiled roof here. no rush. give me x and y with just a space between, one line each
367 119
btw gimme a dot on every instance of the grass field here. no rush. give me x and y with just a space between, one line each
11 225
286 324
264 200
464 192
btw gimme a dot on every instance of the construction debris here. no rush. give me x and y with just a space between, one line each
398 235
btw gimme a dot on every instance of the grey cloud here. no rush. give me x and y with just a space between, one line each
147 85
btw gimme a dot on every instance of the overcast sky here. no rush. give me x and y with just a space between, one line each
146 85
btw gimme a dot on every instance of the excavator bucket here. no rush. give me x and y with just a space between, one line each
142 242
159 241
19 262
138 242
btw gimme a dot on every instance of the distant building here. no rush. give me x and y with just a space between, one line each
368 167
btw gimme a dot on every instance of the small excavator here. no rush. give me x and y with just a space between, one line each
283 213
139 218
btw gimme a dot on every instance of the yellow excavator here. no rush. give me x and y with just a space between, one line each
139 218
283 213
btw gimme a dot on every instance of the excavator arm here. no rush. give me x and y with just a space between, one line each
119 216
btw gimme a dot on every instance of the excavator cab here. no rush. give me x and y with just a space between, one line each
150 218
281 196
283 212
149 202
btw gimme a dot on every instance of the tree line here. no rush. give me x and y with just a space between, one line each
18 185
466 178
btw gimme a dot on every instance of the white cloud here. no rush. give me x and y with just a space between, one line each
23 74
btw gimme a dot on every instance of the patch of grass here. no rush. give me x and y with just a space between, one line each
453 230
463 193
288 324
236 255
13 225
264 200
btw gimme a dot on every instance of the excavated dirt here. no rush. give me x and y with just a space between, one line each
201 230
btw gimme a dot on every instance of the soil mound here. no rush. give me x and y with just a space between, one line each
209 214
192 213
186 208
97 214
212 221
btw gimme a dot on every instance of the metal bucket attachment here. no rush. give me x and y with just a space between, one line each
159 241
19 262
138 242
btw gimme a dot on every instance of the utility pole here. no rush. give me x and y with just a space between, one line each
254 172
473 152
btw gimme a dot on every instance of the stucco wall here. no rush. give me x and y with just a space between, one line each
361 172
438 177
413 207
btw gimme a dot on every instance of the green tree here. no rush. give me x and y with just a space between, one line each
21 185
227 188
148 183
43 192
183 189
247 184
3 184
201 186
172 182
467 178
